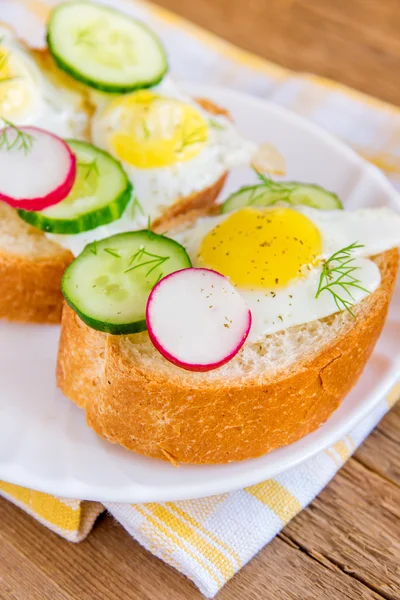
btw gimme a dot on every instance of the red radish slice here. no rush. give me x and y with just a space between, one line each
37 168
196 319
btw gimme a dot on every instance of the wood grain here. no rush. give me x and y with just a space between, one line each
355 42
346 544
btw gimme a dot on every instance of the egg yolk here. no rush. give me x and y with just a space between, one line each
15 86
262 248
154 131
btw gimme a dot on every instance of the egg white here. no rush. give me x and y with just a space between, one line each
158 188
377 230
51 107
132 220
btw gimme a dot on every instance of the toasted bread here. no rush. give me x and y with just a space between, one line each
269 395
31 266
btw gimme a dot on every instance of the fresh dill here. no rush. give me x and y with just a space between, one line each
93 247
189 139
146 130
277 191
113 252
138 255
92 167
20 141
275 186
160 276
4 56
150 233
338 277
137 205
153 261
215 125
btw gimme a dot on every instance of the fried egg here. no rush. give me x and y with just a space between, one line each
168 144
275 258
31 92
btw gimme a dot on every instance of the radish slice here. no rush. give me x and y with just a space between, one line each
196 319
37 168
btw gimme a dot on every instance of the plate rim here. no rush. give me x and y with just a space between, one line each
139 492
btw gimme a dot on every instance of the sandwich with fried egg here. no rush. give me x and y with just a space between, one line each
231 335
145 151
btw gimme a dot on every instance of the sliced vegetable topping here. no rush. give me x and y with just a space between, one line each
104 48
38 168
99 196
197 320
271 192
109 283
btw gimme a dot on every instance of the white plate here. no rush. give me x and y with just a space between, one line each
44 441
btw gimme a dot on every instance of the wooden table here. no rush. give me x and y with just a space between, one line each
346 545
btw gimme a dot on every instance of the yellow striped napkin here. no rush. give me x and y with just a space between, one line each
210 539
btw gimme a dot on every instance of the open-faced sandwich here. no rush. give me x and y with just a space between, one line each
230 335
131 148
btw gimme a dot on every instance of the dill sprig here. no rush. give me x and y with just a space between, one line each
91 166
146 130
281 190
190 138
113 252
154 260
4 56
338 277
150 233
22 140
215 125
93 247
137 205
274 185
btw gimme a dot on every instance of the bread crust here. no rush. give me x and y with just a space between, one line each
163 416
30 288
30 272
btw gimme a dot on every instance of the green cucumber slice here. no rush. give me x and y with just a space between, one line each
291 192
104 48
313 195
109 283
99 195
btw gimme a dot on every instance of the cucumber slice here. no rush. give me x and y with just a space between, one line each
313 195
104 48
109 283
99 195
290 192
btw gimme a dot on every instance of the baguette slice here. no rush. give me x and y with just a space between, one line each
270 395
31 266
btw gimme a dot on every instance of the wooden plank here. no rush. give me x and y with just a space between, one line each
353 41
282 572
355 524
380 451
20 583
109 565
